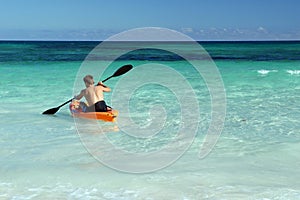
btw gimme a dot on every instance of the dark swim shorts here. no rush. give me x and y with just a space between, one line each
100 106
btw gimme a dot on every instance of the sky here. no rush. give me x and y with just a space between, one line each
199 19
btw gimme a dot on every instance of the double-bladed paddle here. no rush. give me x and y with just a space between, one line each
122 70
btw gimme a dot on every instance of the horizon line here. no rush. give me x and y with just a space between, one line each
242 40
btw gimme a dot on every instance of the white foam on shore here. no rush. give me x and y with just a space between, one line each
64 191
196 191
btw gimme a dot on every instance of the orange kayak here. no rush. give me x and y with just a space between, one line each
76 111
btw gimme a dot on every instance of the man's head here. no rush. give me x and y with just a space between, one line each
88 80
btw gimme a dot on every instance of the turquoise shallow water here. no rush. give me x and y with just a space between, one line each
256 157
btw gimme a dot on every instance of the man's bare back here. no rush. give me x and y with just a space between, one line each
93 94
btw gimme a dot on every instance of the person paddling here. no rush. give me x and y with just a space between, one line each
94 96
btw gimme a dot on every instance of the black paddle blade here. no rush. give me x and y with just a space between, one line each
122 70
51 111
54 110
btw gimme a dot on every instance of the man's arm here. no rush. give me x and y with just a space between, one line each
78 97
104 87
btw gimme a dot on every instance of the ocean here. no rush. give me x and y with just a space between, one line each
170 110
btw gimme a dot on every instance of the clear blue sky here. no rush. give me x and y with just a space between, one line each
201 19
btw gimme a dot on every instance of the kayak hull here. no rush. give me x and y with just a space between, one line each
76 111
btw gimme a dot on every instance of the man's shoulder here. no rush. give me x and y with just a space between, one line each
100 87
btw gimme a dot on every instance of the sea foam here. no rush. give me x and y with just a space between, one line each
293 72
265 72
